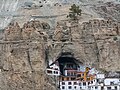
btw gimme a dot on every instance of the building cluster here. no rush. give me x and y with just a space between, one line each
75 76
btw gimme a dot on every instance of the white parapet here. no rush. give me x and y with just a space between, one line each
53 72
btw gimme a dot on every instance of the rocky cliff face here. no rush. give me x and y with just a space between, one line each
24 10
95 43
22 57
26 52
27 48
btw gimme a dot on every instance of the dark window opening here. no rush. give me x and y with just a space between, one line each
67 79
75 83
75 87
79 84
88 83
91 82
56 68
97 80
63 87
84 83
69 87
62 79
63 83
49 71
68 73
79 75
96 87
102 88
69 83
72 78
83 74
108 88
56 72
81 79
111 83
115 87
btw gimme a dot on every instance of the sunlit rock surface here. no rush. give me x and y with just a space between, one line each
30 39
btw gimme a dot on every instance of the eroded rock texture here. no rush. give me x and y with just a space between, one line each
22 56
95 43
26 52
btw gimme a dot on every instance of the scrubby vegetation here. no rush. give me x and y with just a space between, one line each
75 11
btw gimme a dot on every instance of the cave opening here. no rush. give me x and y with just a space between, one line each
67 62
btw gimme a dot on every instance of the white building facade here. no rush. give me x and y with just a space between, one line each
102 83
53 70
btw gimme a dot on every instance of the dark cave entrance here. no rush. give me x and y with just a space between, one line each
67 62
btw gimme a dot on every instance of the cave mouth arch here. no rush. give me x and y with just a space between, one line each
67 61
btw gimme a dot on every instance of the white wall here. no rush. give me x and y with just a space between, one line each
54 66
72 85
100 76
53 72
108 80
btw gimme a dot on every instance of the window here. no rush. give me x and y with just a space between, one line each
115 87
62 78
75 87
97 80
72 78
83 74
81 79
68 73
67 79
56 68
79 84
108 88
56 72
88 83
69 87
96 87
102 88
79 75
69 83
75 83
111 83
84 83
88 79
49 71
63 87
80 87
63 83
72 74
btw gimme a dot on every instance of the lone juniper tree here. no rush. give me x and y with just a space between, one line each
75 11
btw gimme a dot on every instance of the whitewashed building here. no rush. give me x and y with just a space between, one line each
102 83
111 84
69 85
71 75
53 69
97 83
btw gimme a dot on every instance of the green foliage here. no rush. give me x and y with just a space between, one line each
75 11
